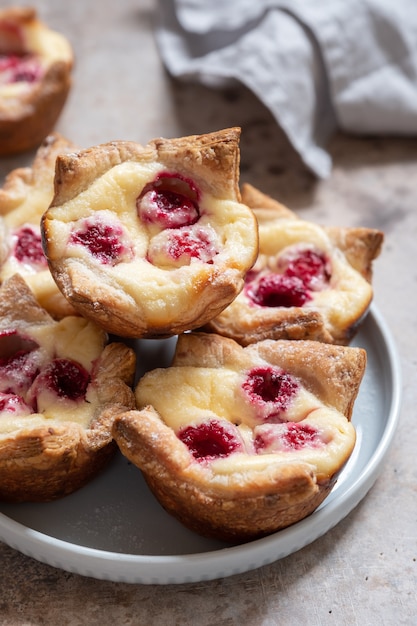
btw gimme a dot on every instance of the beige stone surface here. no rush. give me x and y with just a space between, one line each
364 571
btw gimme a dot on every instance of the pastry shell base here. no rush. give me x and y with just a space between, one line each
51 458
244 504
328 322
191 295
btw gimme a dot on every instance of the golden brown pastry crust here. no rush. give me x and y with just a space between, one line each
359 246
250 506
213 159
20 182
24 197
51 458
246 503
212 162
27 118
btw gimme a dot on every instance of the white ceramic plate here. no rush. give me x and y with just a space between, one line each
114 529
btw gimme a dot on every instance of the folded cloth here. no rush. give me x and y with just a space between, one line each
317 66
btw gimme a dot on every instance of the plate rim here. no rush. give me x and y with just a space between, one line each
202 566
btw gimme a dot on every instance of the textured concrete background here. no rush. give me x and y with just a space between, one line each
364 571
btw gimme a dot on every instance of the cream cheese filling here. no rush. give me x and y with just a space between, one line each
72 338
112 198
347 292
188 395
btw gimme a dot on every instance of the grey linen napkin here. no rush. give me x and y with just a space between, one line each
317 65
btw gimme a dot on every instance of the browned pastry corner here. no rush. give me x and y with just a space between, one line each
309 282
35 79
24 184
26 194
150 241
61 387
244 441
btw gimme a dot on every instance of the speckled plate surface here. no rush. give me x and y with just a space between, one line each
114 529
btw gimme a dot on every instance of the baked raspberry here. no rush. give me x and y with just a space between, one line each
251 275
179 246
170 201
270 390
273 290
28 247
212 439
299 272
103 240
12 404
16 68
19 363
291 436
194 244
310 266
11 342
64 377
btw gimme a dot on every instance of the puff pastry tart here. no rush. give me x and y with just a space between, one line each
25 196
35 79
243 441
61 386
309 282
151 241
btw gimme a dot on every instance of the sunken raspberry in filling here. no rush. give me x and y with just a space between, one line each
28 247
310 266
270 390
28 377
194 244
178 246
13 404
20 362
16 68
291 436
18 371
64 378
273 290
170 201
104 241
212 439
301 272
